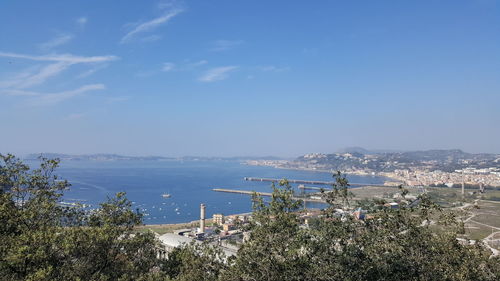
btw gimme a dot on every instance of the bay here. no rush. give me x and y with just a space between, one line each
189 183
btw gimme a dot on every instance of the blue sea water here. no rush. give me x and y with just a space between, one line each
189 183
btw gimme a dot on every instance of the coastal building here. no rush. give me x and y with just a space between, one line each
172 240
218 219
227 227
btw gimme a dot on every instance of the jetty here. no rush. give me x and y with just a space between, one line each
268 194
308 182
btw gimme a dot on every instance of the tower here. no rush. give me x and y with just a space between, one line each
202 218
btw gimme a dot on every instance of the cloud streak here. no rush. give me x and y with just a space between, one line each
44 74
217 73
40 75
168 66
60 58
81 21
150 25
54 98
56 42
91 71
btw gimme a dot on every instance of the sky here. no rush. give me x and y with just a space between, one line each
248 78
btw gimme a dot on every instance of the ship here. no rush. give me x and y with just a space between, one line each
166 195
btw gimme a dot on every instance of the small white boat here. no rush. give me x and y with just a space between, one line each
165 195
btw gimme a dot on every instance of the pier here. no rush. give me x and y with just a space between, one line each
308 182
267 194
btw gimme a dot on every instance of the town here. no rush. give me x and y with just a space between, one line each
451 168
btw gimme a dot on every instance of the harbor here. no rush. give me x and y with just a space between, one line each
307 181
315 199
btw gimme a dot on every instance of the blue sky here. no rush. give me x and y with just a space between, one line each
224 78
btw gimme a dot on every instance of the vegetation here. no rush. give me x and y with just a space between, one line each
42 240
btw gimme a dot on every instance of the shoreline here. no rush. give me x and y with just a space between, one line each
374 174
180 225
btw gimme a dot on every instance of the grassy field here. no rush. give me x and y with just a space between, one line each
482 217
484 220
367 192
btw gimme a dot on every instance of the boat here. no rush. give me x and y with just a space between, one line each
166 195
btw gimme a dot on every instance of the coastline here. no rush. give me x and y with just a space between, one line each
357 173
170 227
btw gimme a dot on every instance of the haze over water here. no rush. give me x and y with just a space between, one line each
189 183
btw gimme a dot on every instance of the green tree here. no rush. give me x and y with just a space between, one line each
42 240
201 262
396 244
275 250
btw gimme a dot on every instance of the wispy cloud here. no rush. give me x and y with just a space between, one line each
217 73
34 76
188 65
196 63
15 79
168 4
91 71
150 25
60 58
45 73
60 63
56 42
223 45
54 98
81 21
168 66
16 92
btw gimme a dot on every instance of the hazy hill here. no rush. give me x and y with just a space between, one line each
116 157
361 159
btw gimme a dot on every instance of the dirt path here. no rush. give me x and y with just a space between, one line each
490 239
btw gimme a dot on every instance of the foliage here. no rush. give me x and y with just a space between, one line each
395 244
339 196
42 240
201 262
274 250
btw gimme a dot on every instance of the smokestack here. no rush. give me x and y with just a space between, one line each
202 218
463 185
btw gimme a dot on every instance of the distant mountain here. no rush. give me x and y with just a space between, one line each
116 157
94 157
354 149
358 159
357 149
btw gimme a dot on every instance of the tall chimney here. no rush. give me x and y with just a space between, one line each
202 218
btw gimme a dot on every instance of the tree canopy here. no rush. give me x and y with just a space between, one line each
40 239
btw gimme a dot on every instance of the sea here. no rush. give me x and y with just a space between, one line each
189 183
